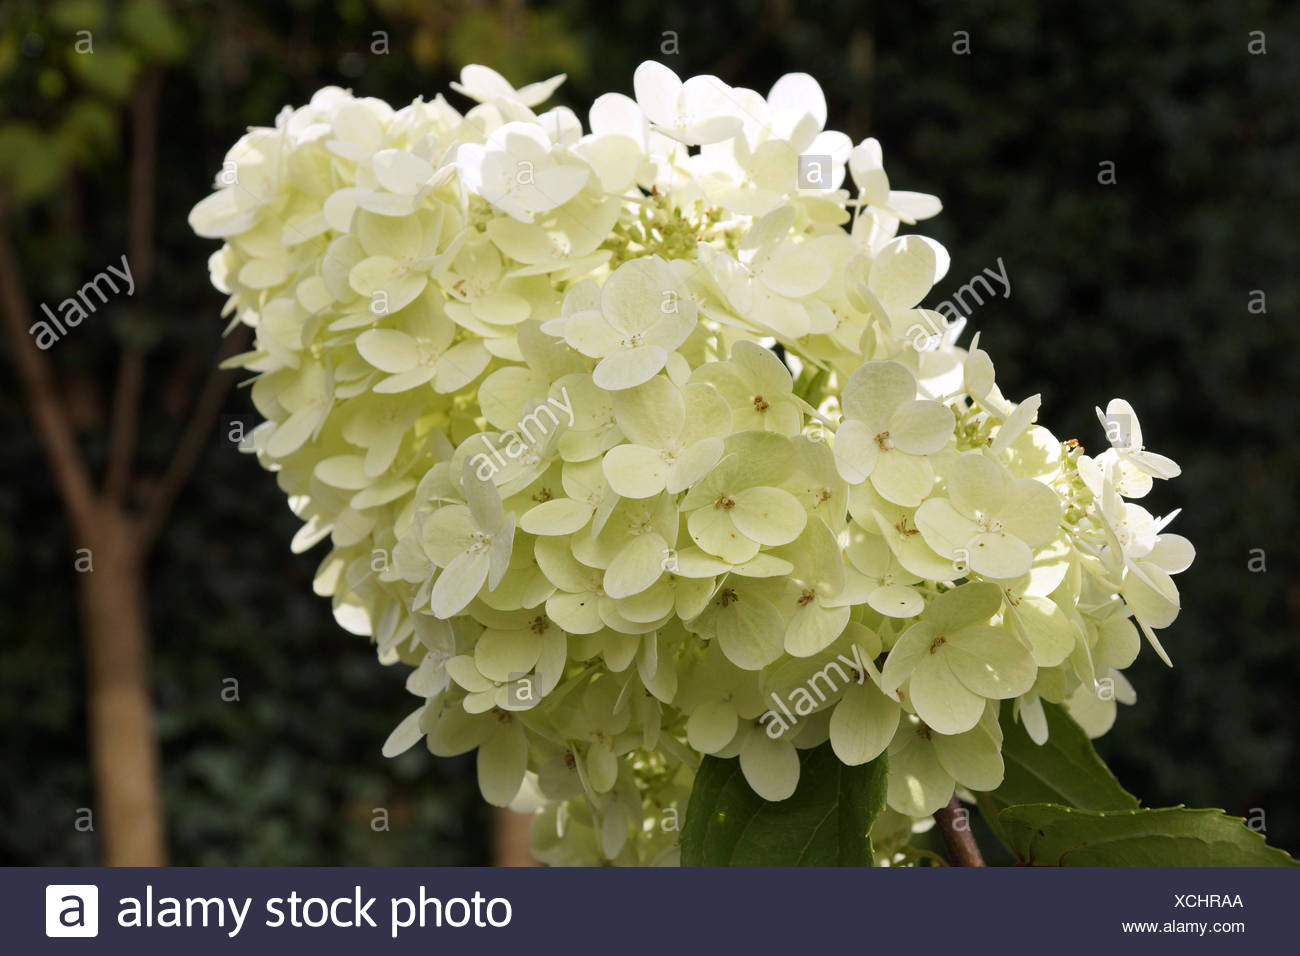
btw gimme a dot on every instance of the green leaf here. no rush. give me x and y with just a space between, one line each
89 131
110 70
73 15
1064 770
154 29
9 47
826 822
31 163
1043 834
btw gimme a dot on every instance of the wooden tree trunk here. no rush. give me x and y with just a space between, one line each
510 843
123 746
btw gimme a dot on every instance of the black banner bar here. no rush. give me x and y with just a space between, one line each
654 912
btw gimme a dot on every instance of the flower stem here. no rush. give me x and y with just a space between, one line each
954 824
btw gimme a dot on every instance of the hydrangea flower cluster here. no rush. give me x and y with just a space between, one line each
636 444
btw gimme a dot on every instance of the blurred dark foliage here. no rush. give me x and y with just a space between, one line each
1139 289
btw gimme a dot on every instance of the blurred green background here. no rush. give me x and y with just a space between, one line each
1141 288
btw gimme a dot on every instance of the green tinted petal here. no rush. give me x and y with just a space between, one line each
770 766
405 381
902 478
707 413
711 726
559 516
635 471
502 760
944 528
455 732
651 414
693 463
507 655
998 556
903 273
906 653
940 699
1050 632
460 365
576 613
875 391
458 584
397 236
813 628
649 605
918 783
769 516
446 533
921 428
601 766
713 530
990 662
977 484
974 759
1152 594
750 631
503 394
483 499
972 603
629 367
388 350
1032 511
896 600
637 566
406 734
855 450
590 334
343 471
464 671
863 724
390 284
